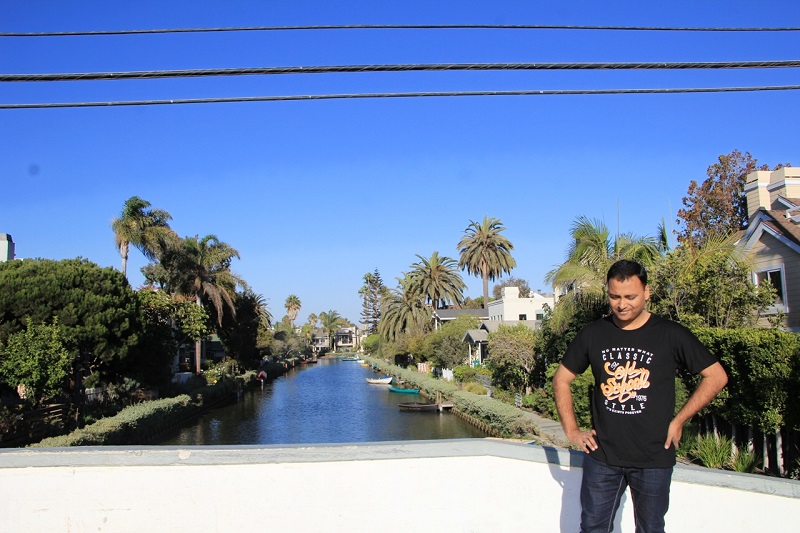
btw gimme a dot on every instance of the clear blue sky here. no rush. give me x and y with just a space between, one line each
315 194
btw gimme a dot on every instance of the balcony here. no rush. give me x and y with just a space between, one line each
472 485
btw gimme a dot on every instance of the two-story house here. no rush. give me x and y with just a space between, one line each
771 241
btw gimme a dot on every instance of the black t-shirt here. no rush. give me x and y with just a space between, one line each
633 400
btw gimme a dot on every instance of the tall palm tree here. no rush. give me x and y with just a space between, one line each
485 253
437 280
591 253
201 267
403 311
146 229
292 305
331 321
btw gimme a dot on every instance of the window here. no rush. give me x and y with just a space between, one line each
775 277
523 317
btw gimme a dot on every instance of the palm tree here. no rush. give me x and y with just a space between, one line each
293 305
437 280
331 321
146 229
403 311
485 253
592 251
202 268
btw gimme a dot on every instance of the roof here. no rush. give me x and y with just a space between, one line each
476 335
492 326
452 314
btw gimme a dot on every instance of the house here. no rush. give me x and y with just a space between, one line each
511 307
771 241
348 338
6 248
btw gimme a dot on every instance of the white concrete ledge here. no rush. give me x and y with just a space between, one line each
442 485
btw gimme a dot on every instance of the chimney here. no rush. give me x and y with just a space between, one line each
756 189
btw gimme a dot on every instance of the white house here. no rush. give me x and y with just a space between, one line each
511 307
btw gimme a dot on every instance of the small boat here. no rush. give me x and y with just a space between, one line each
350 358
417 406
378 381
404 391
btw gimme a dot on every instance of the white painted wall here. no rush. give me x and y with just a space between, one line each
511 306
472 485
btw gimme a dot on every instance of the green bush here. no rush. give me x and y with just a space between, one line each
712 451
475 388
545 401
132 424
688 440
744 461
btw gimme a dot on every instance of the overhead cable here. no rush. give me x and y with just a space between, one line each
397 27
249 71
239 99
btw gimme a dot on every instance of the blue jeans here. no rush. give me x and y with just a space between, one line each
603 485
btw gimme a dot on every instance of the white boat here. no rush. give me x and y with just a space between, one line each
385 380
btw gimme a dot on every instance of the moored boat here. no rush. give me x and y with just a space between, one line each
417 406
385 380
404 391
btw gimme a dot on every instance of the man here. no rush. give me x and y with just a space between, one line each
634 356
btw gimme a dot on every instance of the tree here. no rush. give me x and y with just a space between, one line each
708 285
718 206
404 311
372 293
485 253
95 306
512 357
437 280
201 267
524 288
446 347
583 275
292 305
146 229
331 321
38 360
240 335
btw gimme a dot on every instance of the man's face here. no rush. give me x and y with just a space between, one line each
627 299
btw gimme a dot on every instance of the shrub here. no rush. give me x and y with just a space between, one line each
475 388
712 451
688 441
744 461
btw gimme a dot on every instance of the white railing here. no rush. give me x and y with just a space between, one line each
471 485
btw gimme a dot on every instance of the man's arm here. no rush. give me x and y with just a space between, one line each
583 440
713 378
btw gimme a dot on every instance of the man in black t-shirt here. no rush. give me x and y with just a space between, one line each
634 356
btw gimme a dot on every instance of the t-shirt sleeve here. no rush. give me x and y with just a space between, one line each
576 358
691 353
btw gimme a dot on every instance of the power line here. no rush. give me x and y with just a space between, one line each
248 71
397 27
399 95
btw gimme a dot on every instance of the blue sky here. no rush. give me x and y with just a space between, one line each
315 194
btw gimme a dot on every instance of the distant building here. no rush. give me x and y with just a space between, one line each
512 307
6 248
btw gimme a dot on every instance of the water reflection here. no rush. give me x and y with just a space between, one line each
329 402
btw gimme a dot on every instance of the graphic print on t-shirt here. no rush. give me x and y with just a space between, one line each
624 388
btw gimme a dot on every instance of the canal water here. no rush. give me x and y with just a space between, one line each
327 402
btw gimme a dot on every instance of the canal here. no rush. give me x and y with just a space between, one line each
327 402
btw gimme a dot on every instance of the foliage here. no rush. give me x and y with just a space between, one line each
551 344
717 207
129 426
709 286
37 359
372 344
483 252
437 281
583 275
331 321
372 293
503 419
146 229
743 461
292 305
466 373
96 307
713 451
403 311
688 439
239 335
446 347
475 388
512 357
521 284
581 397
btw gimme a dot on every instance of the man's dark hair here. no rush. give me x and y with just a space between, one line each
624 269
